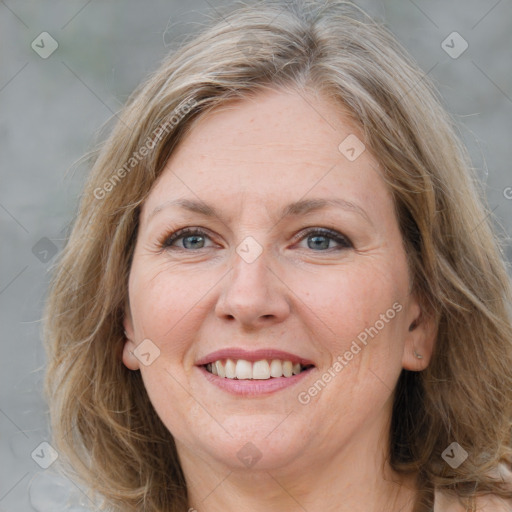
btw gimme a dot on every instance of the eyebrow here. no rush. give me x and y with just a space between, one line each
302 207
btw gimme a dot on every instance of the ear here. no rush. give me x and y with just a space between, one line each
129 359
420 338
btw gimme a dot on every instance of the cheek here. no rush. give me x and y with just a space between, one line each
163 303
166 308
342 303
357 318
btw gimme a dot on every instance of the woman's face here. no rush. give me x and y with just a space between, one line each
293 262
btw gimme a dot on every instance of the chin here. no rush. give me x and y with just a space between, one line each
257 442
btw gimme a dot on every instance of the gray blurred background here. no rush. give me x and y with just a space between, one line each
53 105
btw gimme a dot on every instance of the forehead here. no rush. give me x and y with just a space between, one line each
276 147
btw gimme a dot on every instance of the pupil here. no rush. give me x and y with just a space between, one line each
321 242
194 239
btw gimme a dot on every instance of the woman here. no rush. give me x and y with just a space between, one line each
282 290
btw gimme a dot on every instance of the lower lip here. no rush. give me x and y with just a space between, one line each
254 387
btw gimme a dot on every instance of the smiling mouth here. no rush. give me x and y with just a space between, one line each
264 369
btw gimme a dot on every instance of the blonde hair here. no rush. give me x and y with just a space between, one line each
103 423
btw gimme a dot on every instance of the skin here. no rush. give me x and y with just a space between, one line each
249 159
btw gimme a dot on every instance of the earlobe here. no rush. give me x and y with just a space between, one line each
419 342
128 357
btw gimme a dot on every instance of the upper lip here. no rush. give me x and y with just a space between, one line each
252 355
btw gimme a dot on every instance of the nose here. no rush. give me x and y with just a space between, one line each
253 294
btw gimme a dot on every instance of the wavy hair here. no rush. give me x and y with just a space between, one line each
103 423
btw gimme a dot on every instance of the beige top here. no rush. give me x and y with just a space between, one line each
446 503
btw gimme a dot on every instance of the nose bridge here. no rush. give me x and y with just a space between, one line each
252 292
251 264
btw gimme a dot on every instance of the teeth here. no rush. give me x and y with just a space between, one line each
221 372
230 369
276 368
259 370
243 369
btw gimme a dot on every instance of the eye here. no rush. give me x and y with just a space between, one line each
193 238
319 239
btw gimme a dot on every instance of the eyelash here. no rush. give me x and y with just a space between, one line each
328 233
